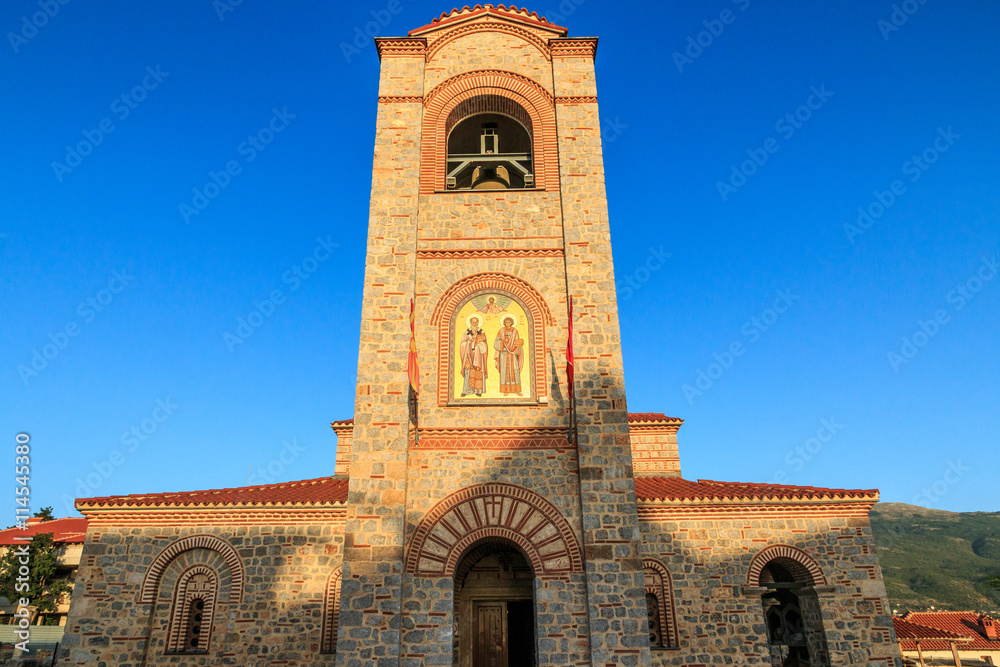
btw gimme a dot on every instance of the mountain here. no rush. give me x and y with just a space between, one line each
932 557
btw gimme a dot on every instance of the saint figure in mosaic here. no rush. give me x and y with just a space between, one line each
474 351
509 357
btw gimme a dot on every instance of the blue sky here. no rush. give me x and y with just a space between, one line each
880 371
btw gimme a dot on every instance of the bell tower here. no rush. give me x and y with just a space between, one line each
499 502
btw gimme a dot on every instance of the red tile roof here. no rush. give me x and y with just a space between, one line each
667 489
652 417
320 491
908 630
70 530
456 15
962 623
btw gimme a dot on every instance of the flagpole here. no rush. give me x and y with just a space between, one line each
571 377
413 373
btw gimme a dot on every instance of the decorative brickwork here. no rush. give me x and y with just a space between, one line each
466 253
654 445
400 46
331 611
400 99
658 584
487 511
493 27
574 48
525 92
539 437
152 580
802 566
199 583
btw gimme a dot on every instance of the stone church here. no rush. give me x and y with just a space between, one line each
500 505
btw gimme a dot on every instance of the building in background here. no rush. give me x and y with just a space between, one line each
948 638
47 630
513 512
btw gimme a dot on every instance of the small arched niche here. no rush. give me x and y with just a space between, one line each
494 622
489 145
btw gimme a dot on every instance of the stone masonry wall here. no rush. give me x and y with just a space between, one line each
278 620
368 631
721 622
615 592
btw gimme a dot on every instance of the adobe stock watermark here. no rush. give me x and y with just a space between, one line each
958 298
634 281
223 7
752 329
798 456
88 482
939 488
612 129
696 44
249 149
86 312
914 168
271 472
786 126
901 13
122 106
31 25
565 10
363 36
294 277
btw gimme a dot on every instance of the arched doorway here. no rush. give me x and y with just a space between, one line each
494 607
792 613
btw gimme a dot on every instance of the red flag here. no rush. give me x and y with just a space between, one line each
569 351
411 362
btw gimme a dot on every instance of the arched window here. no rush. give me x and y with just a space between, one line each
489 145
792 614
331 612
193 607
660 605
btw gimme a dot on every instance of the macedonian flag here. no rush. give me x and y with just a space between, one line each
411 363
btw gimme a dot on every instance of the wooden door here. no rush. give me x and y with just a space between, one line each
490 635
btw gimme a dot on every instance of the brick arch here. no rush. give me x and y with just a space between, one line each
471 28
801 565
443 98
489 511
155 573
455 296
331 612
181 607
664 592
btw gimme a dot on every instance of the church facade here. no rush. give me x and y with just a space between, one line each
499 506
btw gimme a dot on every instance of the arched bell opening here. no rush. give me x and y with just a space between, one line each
489 145
793 616
494 606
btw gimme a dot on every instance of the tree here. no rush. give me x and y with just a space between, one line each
45 514
994 582
43 586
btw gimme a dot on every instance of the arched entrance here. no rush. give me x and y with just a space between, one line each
792 614
494 606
